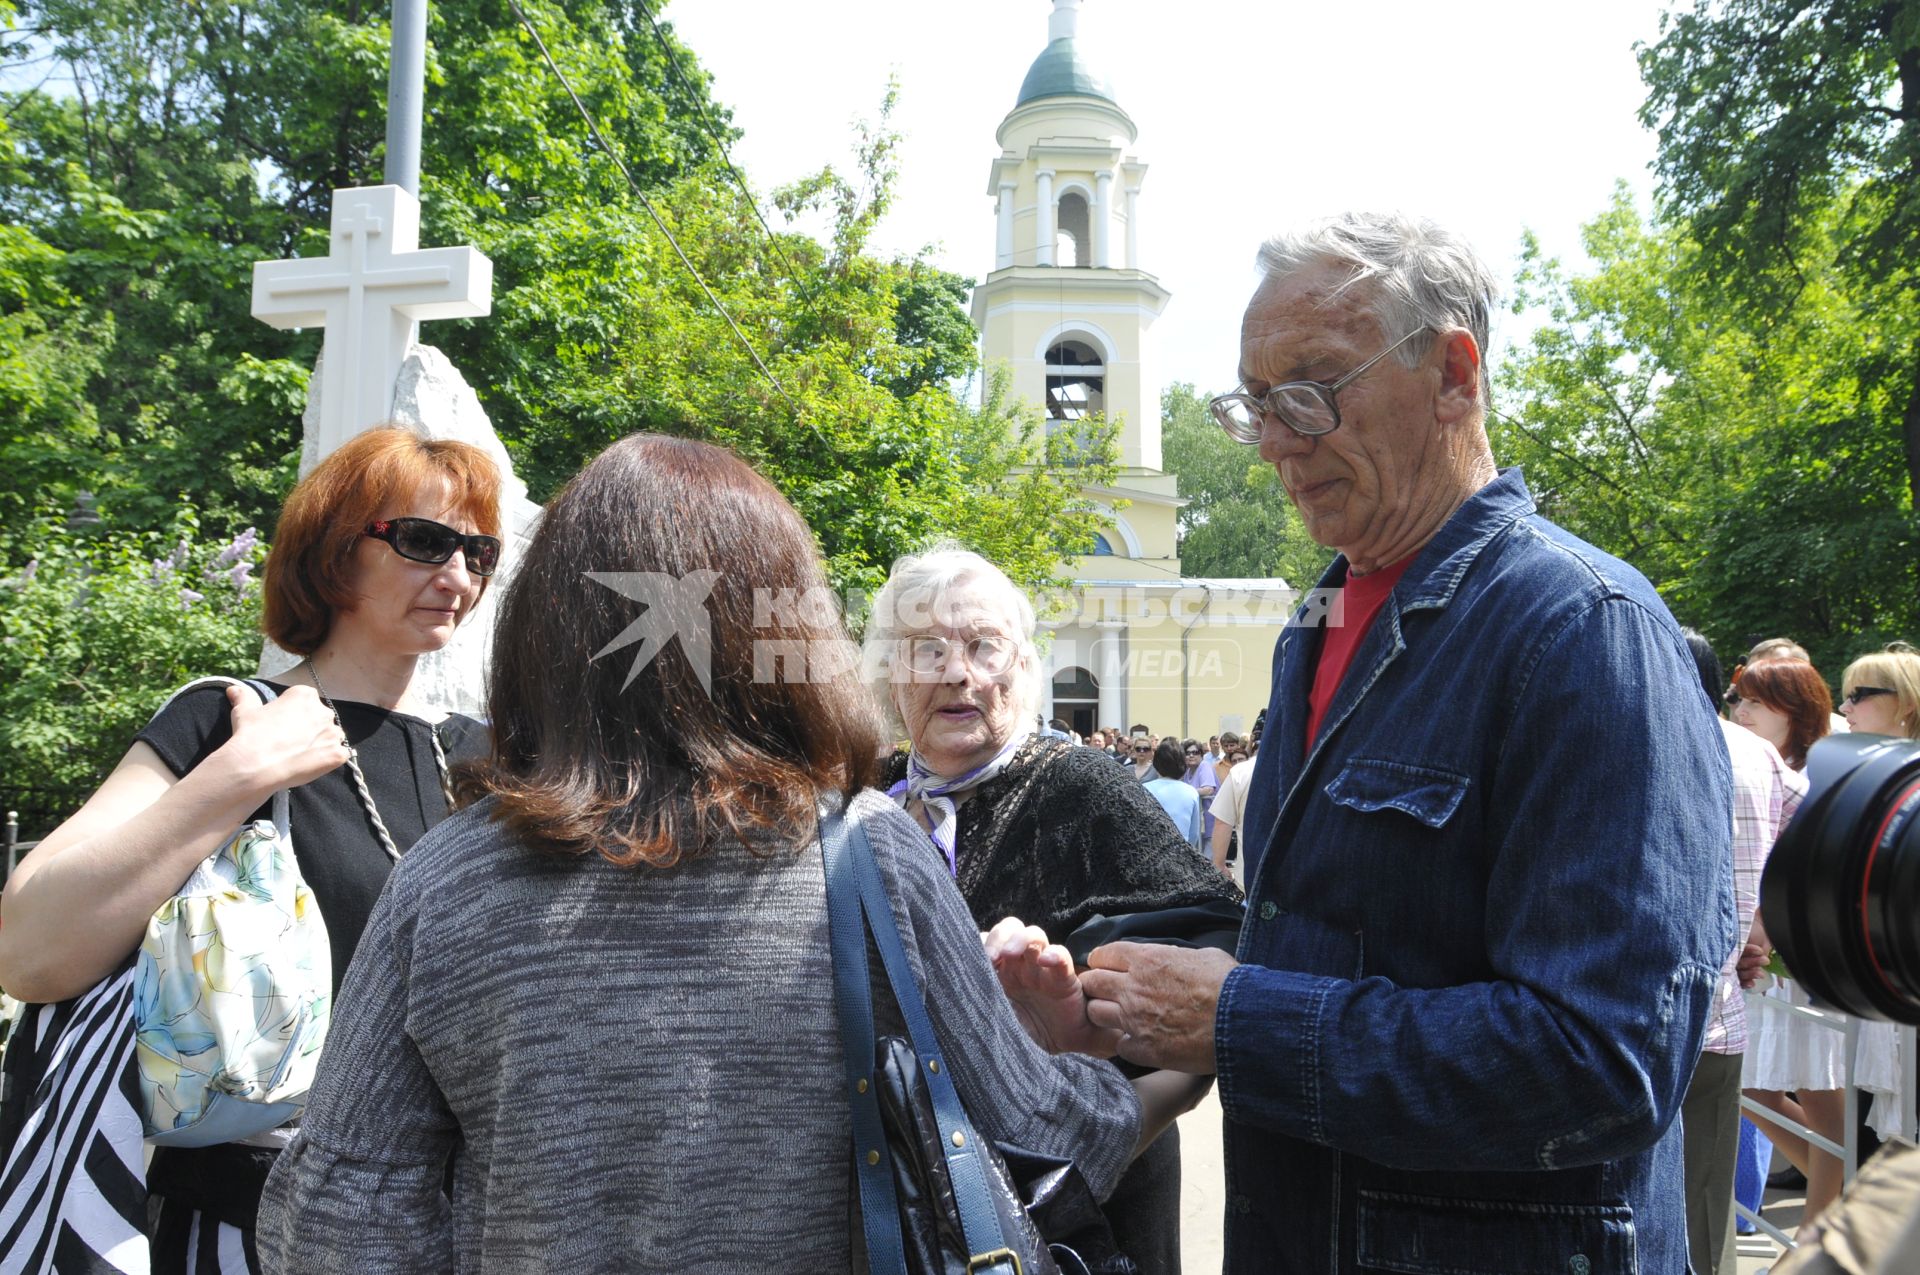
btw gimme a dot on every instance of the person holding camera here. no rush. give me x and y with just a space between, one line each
1880 695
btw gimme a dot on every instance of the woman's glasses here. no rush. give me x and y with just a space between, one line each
928 655
1859 693
424 540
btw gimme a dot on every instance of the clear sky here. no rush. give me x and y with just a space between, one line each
1493 116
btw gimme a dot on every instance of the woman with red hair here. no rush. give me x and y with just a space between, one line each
381 553
1786 703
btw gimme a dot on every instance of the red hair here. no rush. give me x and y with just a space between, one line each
309 572
1794 690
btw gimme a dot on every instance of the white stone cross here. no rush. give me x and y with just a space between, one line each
367 295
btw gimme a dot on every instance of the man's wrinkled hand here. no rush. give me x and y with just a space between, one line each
1044 990
1160 999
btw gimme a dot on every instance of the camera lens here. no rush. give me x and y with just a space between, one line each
1841 892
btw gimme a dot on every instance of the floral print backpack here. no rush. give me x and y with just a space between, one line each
232 987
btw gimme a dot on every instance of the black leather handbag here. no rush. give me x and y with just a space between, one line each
935 1199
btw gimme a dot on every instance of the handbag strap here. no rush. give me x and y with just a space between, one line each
851 870
853 1000
281 806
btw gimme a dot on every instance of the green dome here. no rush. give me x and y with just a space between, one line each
1060 71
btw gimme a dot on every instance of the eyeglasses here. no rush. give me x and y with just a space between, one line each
1193 752
1859 693
991 655
424 540
1308 408
1143 748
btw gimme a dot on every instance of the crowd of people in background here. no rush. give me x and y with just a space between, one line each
1212 807
1778 706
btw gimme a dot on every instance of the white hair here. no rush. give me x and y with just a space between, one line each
916 593
1422 275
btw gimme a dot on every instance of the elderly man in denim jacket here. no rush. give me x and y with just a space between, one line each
1487 838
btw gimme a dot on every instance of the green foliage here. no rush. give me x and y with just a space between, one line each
95 632
50 348
1239 521
1790 147
1748 472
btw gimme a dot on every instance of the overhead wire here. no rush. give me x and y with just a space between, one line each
711 127
594 129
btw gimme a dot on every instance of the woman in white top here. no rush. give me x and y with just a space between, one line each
1786 703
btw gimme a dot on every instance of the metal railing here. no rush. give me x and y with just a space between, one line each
1848 1149
13 846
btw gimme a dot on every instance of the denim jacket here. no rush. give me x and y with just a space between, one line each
1485 915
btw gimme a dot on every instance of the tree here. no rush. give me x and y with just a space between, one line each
1238 522
1747 473
1768 111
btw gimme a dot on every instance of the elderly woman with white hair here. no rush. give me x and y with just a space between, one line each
1030 827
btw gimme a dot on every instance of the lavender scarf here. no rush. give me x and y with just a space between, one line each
936 793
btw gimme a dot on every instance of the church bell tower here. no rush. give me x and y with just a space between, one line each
1067 306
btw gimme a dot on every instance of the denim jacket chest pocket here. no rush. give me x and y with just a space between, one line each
1369 785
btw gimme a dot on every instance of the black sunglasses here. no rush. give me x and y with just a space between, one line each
1859 693
424 540
1143 748
1193 752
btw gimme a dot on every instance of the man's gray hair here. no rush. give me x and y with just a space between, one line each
917 594
1422 275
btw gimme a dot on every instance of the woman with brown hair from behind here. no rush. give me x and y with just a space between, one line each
598 1005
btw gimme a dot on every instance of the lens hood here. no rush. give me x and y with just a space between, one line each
1841 892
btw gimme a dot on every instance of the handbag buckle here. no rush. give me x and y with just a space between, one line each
1000 1259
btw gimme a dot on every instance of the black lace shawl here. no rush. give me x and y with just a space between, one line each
1064 834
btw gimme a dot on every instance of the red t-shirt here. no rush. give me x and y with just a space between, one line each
1365 596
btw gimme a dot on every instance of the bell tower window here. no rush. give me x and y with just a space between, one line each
1073 243
1076 383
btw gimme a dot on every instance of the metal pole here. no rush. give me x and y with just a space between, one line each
406 94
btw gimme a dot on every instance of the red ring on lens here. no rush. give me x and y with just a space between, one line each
1899 806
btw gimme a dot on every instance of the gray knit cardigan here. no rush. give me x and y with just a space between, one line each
633 1070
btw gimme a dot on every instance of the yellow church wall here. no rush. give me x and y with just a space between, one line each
1189 658
1023 311
1150 515
1222 674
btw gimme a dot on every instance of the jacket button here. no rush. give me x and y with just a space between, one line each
1578 1264
1267 910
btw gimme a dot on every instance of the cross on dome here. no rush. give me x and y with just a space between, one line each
367 295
